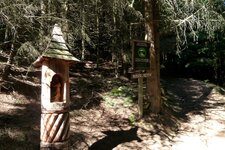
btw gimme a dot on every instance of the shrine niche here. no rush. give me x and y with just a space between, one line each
55 92
56 88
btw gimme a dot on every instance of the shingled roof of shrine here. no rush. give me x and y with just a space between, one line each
57 48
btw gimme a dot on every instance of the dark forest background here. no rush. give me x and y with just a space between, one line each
100 31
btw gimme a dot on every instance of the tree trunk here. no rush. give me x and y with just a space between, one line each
97 31
61 9
83 31
115 51
152 35
7 68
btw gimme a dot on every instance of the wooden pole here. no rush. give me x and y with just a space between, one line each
140 96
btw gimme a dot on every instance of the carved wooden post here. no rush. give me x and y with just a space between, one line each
55 93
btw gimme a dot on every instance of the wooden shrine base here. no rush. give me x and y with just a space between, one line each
56 146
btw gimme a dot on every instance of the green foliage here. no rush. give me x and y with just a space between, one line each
132 119
122 91
192 29
128 102
26 54
119 96
199 62
125 93
189 17
109 101
100 26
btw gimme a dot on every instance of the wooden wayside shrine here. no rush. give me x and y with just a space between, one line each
55 92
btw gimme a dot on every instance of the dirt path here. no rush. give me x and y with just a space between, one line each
196 121
204 110
193 118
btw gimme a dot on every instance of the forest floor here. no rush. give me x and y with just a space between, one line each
103 113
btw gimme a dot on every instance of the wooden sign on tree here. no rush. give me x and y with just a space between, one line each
140 64
141 55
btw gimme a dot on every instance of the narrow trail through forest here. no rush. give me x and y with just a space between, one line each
193 118
203 111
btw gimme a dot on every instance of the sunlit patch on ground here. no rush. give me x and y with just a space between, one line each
205 131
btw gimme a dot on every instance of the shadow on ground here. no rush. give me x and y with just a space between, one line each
89 118
19 127
183 96
20 120
114 138
87 86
